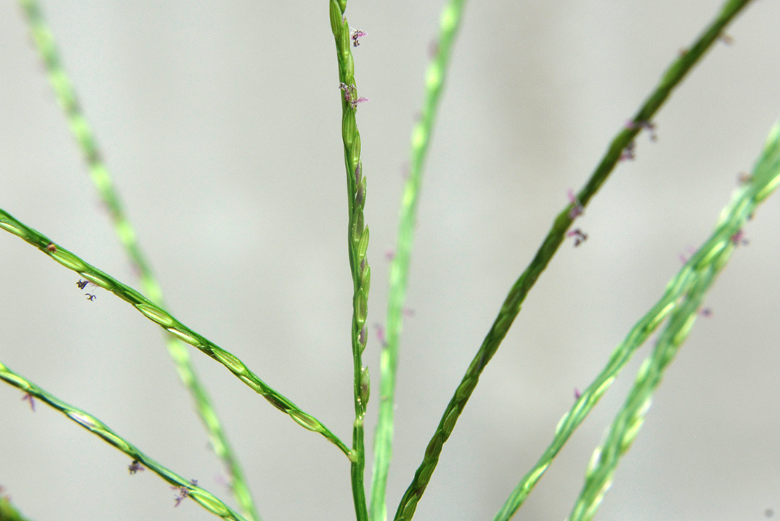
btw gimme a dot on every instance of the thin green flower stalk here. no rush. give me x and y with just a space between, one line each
158 315
95 426
357 240
511 306
399 269
679 290
701 271
68 101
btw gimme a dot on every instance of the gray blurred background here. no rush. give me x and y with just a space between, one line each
220 122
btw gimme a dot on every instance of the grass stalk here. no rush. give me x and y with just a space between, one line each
677 303
511 305
399 269
357 241
161 317
699 272
67 99
95 426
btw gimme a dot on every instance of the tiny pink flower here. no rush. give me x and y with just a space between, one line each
29 397
183 492
135 466
739 239
576 209
628 152
579 236
647 125
357 34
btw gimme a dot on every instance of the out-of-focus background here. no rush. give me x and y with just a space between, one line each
220 122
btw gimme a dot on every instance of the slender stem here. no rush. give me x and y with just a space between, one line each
399 269
703 268
158 315
95 426
511 306
68 101
679 302
357 240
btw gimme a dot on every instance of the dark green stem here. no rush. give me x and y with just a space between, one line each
511 306
701 268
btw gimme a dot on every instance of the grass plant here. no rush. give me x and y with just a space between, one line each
674 313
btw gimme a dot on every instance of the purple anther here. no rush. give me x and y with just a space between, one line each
135 466
350 95
739 239
29 397
389 255
347 91
577 394
647 125
705 312
576 209
579 236
183 492
628 152
650 127
357 34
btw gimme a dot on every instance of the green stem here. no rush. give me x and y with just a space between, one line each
511 306
158 315
95 426
702 269
68 101
399 269
692 280
357 240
